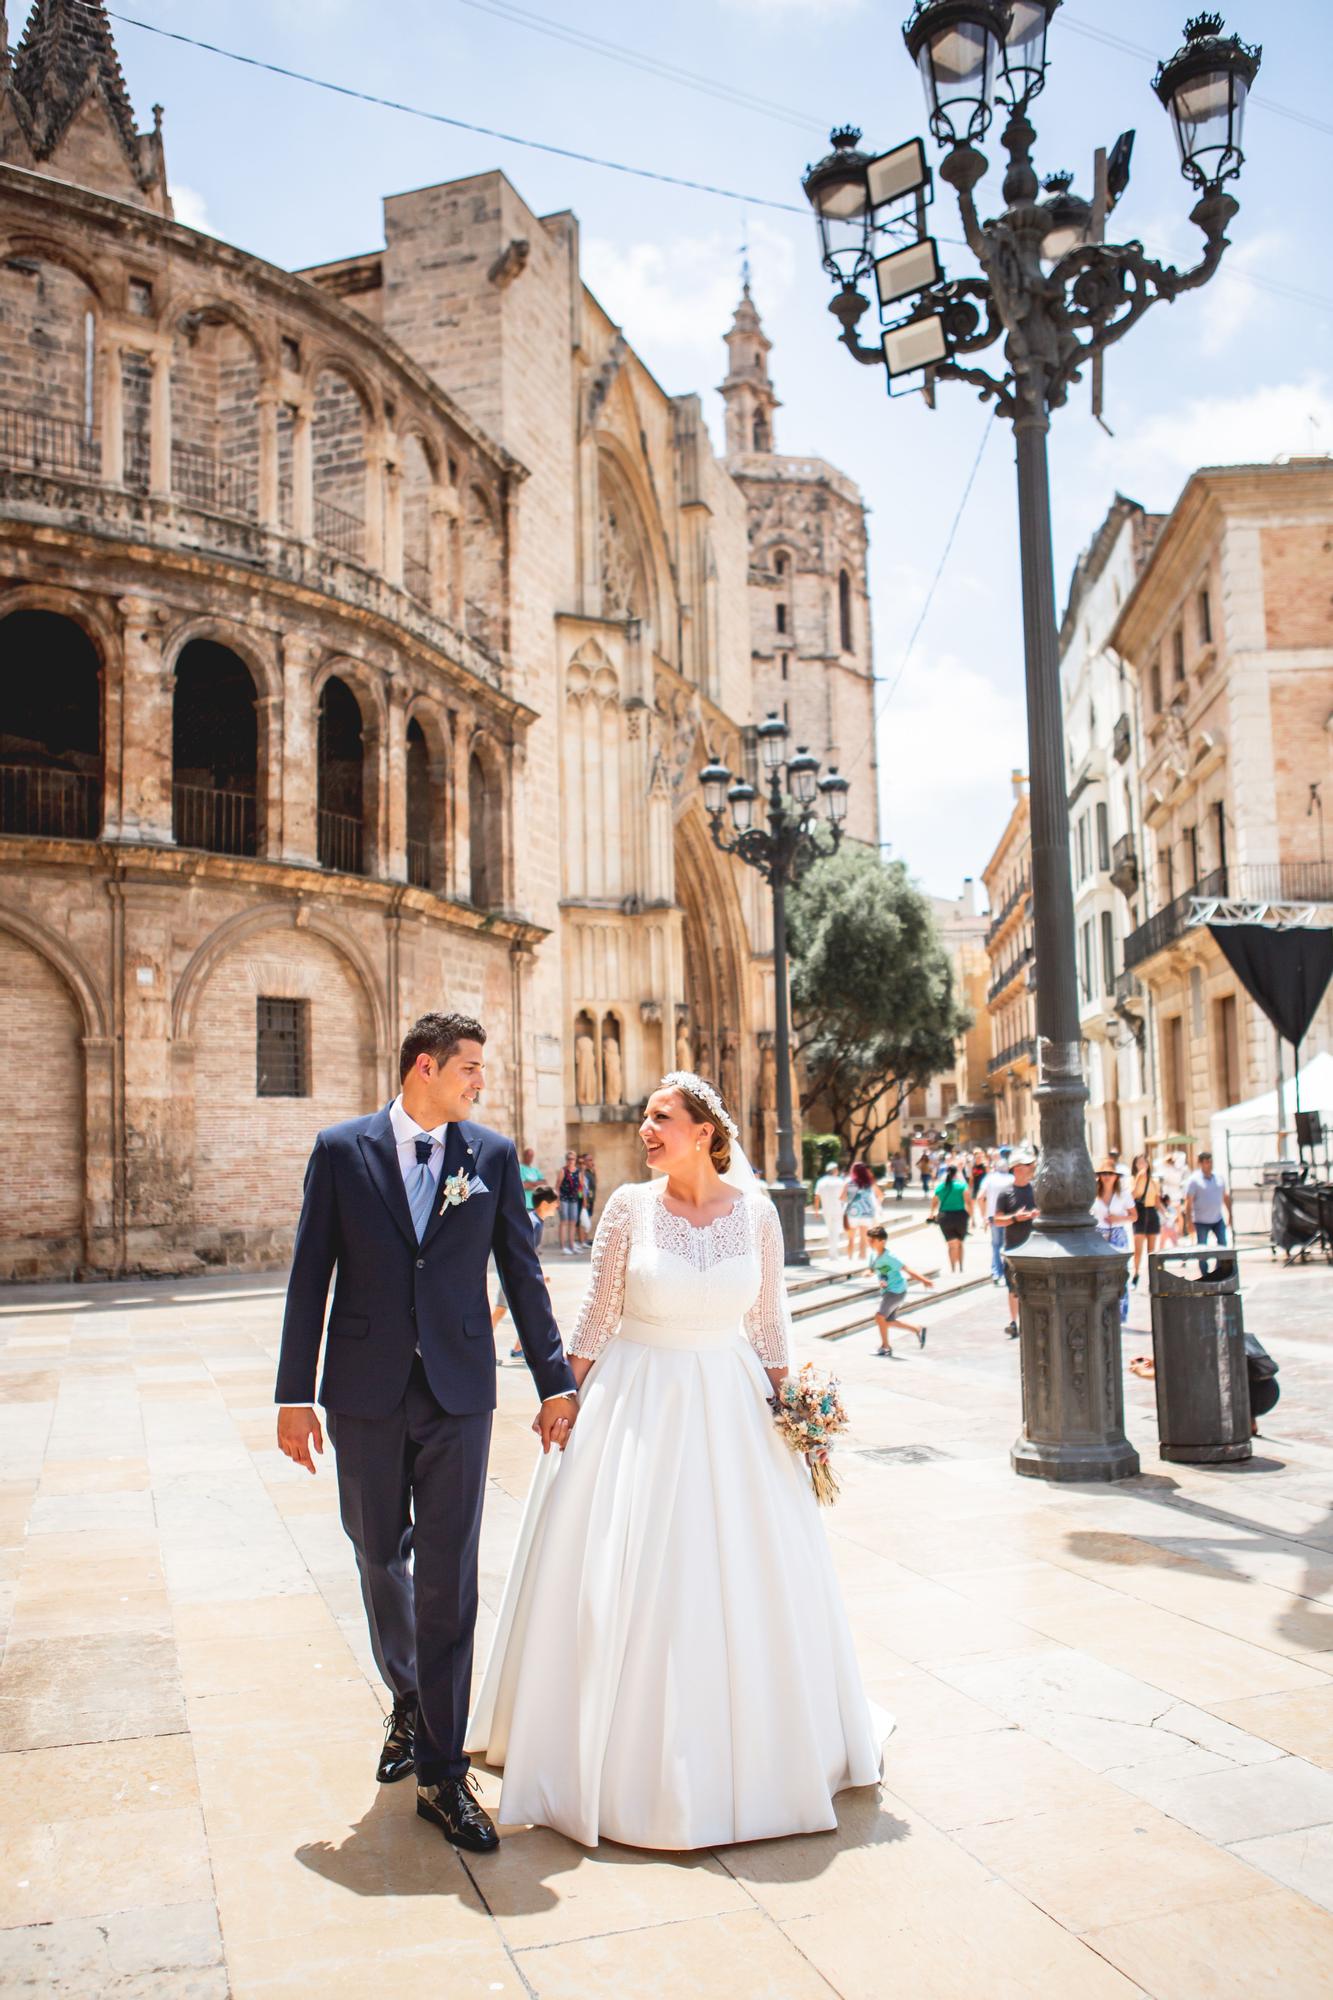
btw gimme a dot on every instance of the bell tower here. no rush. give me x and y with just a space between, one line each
747 391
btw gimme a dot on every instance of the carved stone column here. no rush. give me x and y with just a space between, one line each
395 770
159 423
1069 1281
300 753
303 478
267 498
144 748
113 414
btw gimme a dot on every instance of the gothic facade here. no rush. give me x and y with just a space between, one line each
362 633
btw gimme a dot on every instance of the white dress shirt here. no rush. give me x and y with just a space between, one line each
406 1132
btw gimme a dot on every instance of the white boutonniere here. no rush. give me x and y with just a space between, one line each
458 1188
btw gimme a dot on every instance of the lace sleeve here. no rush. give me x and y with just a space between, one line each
768 1322
604 1300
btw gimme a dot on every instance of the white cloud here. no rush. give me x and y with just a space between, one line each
1156 456
191 208
679 294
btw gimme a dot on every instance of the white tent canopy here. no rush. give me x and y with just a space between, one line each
1248 1133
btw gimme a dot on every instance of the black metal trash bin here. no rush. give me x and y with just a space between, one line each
1198 1338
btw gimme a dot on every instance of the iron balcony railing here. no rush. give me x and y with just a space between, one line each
205 480
38 799
1281 882
1165 926
416 577
49 444
221 822
1011 971
1122 741
418 863
340 842
1015 897
340 531
1125 865
1016 1052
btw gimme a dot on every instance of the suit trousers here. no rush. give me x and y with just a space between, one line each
410 1489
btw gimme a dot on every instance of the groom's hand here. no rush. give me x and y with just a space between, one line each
555 1421
298 1429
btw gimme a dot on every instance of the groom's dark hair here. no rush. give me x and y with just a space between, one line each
437 1035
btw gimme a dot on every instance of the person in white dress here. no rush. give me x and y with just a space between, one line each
672 1666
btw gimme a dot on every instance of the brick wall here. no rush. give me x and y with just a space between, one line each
43 336
41 1133
250 1151
1298 583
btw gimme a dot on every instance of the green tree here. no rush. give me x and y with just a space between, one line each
873 1001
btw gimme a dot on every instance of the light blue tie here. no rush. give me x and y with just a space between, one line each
421 1188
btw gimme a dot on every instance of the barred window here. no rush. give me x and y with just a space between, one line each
282 1048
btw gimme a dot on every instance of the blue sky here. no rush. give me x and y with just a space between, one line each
1238 371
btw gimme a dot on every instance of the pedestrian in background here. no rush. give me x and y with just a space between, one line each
924 1168
588 1198
1113 1210
530 1174
830 1200
1015 1211
951 1207
992 1187
1207 1208
569 1189
892 1274
1146 1190
862 1208
898 1169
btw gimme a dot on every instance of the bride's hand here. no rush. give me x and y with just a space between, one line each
776 1377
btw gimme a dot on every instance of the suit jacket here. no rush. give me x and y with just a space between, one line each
395 1295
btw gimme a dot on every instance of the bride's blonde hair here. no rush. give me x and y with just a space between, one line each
701 1113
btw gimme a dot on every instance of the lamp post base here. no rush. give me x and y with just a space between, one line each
789 1199
1069 1282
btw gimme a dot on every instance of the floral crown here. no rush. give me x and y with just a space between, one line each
685 1079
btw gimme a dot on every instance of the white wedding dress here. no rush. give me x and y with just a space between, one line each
672 1666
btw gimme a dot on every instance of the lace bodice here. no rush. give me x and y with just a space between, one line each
650 1264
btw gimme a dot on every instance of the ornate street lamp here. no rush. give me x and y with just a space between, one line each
1056 295
837 191
781 851
1204 87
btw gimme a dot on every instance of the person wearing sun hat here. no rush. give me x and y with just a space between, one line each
1114 1212
1014 1213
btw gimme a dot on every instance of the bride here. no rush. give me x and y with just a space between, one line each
672 1666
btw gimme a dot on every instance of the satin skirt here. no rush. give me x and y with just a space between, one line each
672 1666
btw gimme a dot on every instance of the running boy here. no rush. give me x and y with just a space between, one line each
893 1275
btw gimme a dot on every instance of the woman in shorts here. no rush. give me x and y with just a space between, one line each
952 1209
1147 1192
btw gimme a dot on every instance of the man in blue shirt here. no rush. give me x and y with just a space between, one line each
1207 1207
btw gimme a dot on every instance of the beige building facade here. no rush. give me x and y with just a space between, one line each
1099 690
1229 635
362 633
1010 993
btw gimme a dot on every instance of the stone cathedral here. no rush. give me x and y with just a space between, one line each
363 630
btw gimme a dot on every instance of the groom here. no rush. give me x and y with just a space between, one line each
408 1204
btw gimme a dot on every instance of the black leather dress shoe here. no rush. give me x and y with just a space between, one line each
399 1741
453 1806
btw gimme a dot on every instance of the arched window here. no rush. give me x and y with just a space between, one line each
844 611
420 872
762 434
483 571
781 563
418 484
215 379
50 728
485 854
214 751
341 782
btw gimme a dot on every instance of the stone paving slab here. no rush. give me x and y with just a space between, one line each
1112 1774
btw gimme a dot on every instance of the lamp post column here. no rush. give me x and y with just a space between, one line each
788 1190
1068 1278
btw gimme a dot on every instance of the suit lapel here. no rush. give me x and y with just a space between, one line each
462 1154
380 1154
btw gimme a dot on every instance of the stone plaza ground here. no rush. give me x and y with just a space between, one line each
1112 1773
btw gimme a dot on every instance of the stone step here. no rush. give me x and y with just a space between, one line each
835 1322
914 1306
839 1292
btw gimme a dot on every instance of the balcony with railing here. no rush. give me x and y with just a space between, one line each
44 801
1017 1052
340 842
1020 962
1125 865
1165 926
1122 739
1278 882
221 822
418 864
220 485
49 444
1010 904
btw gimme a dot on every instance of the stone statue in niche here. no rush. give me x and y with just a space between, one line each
613 1080
703 1054
585 1062
684 1053
730 1079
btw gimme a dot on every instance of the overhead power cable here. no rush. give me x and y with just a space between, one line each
1276 286
458 124
580 38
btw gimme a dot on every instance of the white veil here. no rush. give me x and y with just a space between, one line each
740 1174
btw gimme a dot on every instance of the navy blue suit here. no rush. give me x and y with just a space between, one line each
409 1388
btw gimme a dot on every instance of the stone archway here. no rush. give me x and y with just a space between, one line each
715 952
